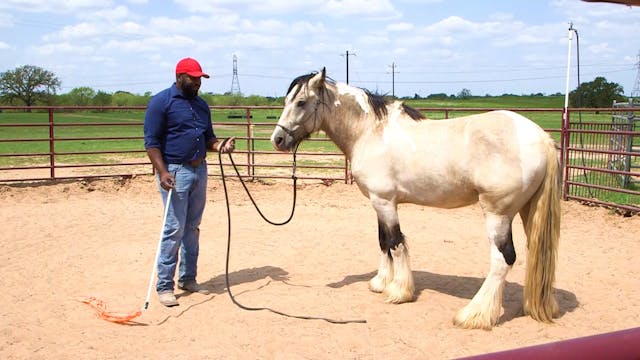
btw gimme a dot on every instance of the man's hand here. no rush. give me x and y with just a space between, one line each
167 181
229 145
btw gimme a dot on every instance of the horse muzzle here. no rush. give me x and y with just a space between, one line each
283 139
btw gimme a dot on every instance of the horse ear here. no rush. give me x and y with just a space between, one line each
317 81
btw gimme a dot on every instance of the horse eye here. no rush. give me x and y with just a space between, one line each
301 103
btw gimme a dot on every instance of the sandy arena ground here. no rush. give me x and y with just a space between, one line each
98 238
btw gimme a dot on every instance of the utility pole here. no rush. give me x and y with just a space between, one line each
346 55
635 93
393 79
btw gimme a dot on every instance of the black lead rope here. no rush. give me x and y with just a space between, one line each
226 273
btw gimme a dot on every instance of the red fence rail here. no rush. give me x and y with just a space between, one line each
47 143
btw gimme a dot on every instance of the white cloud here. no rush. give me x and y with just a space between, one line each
306 27
199 24
63 48
107 14
264 26
521 34
249 6
4 46
81 30
381 8
400 26
374 40
55 6
259 40
601 49
155 43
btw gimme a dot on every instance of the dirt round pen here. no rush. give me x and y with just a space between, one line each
67 239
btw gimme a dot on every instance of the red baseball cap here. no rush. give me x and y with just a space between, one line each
190 67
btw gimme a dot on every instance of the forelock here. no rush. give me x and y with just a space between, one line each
300 81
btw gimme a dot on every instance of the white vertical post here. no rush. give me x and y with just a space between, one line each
566 91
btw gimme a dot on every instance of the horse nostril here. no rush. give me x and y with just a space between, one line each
279 140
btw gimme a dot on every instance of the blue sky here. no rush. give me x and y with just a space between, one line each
437 46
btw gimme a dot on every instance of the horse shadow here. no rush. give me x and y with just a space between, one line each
465 287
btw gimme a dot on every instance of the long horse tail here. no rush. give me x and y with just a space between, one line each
542 228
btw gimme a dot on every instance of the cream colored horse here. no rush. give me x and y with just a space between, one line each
500 159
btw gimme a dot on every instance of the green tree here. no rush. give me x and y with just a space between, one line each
464 94
29 84
101 99
82 96
597 93
122 98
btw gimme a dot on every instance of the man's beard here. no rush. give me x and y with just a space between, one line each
189 91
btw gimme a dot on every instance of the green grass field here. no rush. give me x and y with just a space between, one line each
126 136
229 122
81 137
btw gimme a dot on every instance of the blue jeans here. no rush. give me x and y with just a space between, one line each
181 231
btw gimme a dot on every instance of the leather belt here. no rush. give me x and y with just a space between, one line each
195 163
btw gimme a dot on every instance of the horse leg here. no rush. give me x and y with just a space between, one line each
485 307
385 270
394 276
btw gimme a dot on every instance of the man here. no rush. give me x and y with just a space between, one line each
177 133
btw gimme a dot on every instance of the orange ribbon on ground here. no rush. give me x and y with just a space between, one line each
101 309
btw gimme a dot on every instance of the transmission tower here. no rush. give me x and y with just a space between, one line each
235 83
635 93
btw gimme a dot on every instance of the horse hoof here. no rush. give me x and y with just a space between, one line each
377 284
473 320
397 295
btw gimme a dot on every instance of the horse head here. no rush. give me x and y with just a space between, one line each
302 113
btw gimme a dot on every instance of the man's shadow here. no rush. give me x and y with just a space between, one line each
218 284
465 287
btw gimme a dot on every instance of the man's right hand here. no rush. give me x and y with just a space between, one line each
167 181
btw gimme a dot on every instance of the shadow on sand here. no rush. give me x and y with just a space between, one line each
465 287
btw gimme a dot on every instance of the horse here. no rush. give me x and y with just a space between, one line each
499 159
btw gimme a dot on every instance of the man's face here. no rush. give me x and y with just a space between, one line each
189 85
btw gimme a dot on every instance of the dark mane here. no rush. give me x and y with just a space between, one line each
303 80
377 101
413 113
379 104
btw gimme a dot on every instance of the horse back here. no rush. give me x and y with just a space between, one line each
455 162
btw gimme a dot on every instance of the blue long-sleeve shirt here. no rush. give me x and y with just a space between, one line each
180 127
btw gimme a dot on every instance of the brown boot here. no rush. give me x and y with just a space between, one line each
167 299
192 286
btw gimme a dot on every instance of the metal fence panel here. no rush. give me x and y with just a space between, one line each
599 151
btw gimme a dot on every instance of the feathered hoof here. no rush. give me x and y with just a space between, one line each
470 318
377 284
397 294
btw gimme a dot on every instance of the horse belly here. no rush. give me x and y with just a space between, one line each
447 193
